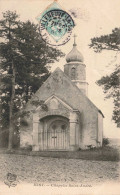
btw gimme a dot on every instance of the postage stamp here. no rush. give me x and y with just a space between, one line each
56 27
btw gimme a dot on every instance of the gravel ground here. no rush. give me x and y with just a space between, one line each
32 169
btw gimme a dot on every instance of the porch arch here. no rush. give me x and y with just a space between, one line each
54 132
54 113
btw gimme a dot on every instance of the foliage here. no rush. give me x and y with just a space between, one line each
107 42
40 103
4 138
111 87
105 141
110 83
22 46
24 123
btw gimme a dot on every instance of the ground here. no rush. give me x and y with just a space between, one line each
36 169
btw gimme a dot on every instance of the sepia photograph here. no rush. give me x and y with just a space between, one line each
59 97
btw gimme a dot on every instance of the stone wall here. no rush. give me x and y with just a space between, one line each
60 85
26 133
100 129
80 72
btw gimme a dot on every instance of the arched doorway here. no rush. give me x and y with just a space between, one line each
57 135
54 133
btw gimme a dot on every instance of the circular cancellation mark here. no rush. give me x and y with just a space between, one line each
56 27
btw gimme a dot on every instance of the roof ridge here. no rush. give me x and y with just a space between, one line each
78 89
71 83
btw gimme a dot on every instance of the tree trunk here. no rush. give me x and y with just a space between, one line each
26 98
11 127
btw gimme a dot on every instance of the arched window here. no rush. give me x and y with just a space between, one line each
73 71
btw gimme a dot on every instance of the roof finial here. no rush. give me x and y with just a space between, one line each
75 40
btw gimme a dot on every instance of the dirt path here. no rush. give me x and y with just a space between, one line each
32 169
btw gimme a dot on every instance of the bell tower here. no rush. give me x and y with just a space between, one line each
76 69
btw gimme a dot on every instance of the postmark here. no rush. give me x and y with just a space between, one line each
56 27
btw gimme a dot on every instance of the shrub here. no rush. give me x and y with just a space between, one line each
105 141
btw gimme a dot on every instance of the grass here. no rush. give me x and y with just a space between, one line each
101 154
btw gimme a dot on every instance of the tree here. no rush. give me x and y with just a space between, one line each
24 66
8 51
110 83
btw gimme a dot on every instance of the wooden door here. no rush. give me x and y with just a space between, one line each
57 135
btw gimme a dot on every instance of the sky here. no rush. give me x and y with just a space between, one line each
95 18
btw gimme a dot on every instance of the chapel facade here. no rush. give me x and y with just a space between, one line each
70 121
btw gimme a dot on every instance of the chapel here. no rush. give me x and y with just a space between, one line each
70 121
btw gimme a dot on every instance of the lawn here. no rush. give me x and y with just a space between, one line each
101 154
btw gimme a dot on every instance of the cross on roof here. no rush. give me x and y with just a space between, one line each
75 39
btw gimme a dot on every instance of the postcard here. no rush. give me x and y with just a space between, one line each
59 97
